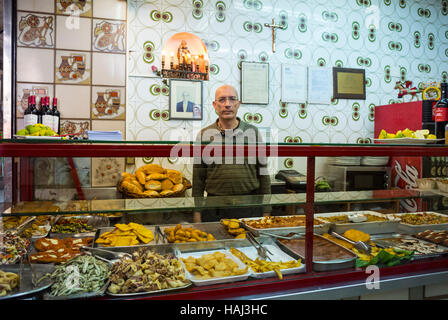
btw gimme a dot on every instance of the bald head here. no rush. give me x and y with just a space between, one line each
226 88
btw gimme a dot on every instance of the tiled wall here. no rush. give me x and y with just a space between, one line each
76 51
391 39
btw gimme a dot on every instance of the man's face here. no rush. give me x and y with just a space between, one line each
226 103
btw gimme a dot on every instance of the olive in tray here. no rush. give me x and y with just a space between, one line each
72 225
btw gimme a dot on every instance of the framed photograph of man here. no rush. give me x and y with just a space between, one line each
185 99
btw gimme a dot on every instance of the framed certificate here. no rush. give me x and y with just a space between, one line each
349 83
319 85
254 82
294 85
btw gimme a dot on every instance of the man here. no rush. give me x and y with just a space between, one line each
185 105
229 175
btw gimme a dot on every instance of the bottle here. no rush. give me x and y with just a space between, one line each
31 116
39 110
441 112
56 116
47 114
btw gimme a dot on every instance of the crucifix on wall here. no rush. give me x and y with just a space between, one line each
273 26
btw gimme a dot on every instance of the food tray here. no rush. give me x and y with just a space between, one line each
413 229
95 221
83 295
372 227
25 286
211 281
215 228
161 249
319 229
329 265
407 141
394 240
100 231
277 256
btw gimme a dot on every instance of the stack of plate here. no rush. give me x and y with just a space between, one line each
345 161
374 161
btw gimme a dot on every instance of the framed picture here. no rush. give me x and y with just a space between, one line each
254 82
185 99
349 83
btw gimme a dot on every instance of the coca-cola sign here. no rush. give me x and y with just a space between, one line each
405 173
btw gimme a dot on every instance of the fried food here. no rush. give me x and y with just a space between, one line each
213 265
8 281
126 235
233 227
156 176
356 235
260 266
278 222
179 234
146 271
54 250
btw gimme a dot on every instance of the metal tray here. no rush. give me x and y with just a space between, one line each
393 240
319 229
372 227
25 287
277 256
211 281
215 228
95 221
413 229
100 231
161 249
324 265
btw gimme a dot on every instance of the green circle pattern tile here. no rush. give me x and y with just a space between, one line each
148 160
408 42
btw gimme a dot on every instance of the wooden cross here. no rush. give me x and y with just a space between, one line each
273 26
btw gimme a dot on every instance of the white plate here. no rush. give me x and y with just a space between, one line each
207 282
276 256
37 137
408 141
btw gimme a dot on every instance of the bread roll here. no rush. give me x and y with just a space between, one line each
178 187
141 176
166 193
156 176
151 193
154 185
152 168
174 175
167 184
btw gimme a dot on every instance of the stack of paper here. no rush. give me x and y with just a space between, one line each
104 135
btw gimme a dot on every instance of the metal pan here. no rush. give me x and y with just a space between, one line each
396 240
413 229
319 229
26 287
214 228
372 227
318 265
94 221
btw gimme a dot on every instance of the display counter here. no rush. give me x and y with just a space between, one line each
351 281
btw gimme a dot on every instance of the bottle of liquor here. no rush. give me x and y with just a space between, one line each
441 112
39 109
47 114
56 116
31 116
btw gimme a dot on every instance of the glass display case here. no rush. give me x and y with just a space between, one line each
348 281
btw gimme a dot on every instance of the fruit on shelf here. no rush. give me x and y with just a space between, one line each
406 133
37 130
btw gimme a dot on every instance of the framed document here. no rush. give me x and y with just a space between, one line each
319 85
185 99
294 83
254 82
349 83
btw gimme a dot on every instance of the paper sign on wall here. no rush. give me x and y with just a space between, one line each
294 83
320 85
